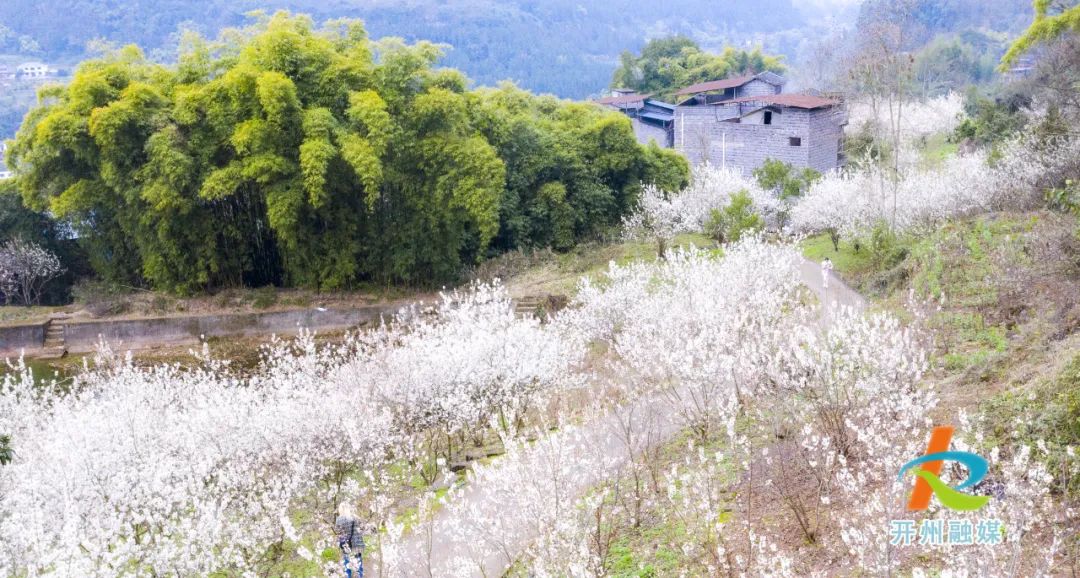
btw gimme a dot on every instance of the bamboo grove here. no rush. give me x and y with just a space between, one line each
300 155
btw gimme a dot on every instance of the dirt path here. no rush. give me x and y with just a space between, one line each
434 553
837 294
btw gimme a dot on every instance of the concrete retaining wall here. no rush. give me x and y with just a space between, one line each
18 337
83 336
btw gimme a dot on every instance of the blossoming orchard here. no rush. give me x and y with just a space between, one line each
189 471
641 368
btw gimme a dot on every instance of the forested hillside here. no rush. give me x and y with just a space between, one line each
933 17
564 47
667 64
567 48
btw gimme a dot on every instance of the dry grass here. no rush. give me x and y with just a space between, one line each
548 273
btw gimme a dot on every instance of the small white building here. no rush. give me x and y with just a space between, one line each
34 70
5 175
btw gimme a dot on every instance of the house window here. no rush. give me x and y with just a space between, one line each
768 117
795 141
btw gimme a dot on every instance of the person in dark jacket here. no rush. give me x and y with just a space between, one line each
350 540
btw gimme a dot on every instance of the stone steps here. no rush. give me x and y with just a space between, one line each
53 352
538 305
464 460
54 344
528 306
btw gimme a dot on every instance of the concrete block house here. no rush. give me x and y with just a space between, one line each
740 122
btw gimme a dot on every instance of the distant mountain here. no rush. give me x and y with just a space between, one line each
566 47
933 17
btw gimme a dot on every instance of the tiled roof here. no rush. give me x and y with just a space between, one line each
716 85
806 101
624 99
661 104
657 116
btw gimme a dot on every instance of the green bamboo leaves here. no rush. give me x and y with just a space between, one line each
292 154
1045 27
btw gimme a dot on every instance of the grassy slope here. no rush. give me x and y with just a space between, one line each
535 273
985 285
548 273
1000 296
937 149
847 262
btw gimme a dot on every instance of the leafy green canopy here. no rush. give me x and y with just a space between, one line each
992 121
297 155
784 179
669 64
953 62
1045 27
729 224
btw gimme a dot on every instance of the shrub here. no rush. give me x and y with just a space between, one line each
863 149
1068 397
990 121
784 180
1065 198
886 249
729 224
264 297
6 453
660 215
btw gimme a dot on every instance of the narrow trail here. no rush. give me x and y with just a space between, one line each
837 294
433 553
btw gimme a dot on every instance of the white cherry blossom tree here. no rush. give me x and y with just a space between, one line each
25 268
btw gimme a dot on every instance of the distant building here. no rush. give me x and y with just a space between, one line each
653 120
1023 68
6 73
35 70
802 130
742 121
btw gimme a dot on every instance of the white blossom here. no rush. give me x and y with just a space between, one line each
25 268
